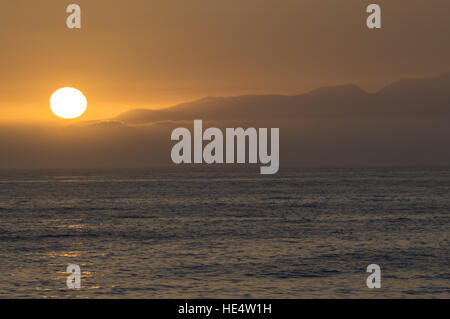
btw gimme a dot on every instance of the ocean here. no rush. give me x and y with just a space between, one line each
225 233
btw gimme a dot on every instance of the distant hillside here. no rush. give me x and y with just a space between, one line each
404 124
406 98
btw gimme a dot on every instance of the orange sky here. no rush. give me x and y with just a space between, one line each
155 53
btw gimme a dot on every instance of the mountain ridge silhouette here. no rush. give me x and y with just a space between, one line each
408 97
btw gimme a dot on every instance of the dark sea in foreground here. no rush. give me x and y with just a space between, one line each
222 233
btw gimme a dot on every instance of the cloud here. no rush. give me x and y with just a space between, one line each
403 124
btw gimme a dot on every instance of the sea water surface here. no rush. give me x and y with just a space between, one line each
222 233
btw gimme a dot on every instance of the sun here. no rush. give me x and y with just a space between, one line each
68 103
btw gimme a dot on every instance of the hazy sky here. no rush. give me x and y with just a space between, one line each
155 53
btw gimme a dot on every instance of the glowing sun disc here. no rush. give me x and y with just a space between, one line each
68 103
